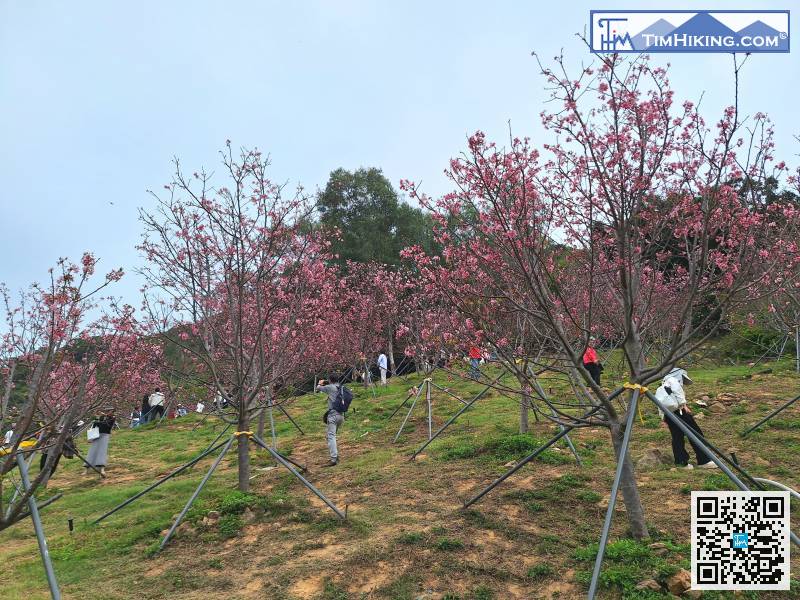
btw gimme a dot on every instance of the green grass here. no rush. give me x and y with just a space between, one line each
404 520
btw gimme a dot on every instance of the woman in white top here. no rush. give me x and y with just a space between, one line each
672 396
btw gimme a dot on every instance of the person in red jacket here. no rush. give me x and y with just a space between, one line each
474 361
591 362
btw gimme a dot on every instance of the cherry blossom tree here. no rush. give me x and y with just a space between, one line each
234 280
59 365
636 220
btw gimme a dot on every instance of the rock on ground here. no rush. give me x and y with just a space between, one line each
652 459
680 582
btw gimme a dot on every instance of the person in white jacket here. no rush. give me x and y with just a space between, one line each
672 396
383 365
156 405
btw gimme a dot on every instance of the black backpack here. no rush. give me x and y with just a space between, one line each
343 399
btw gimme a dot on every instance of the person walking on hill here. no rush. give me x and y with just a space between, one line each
591 362
156 402
383 365
474 362
98 450
332 418
672 396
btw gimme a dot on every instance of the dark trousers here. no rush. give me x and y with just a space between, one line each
156 412
678 446
594 371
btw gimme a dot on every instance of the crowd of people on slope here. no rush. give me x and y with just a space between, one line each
670 394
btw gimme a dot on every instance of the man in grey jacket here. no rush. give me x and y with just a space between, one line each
332 418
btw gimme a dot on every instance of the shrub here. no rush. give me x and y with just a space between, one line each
234 502
448 544
540 571
412 537
230 525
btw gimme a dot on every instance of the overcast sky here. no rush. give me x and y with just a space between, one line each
96 97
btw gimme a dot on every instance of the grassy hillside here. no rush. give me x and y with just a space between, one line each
406 538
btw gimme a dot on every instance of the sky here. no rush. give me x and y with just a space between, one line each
97 97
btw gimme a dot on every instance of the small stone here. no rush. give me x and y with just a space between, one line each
164 532
693 594
508 465
648 584
761 462
213 515
705 398
248 516
680 582
659 549
718 408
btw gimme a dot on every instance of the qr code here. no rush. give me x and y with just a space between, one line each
740 540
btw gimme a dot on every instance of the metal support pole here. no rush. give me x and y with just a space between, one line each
797 348
221 433
288 416
518 466
416 397
37 526
197 492
430 416
526 460
177 471
397 410
688 432
554 414
770 415
780 486
87 463
612 501
28 463
44 504
458 414
448 392
272 424
302 479
287 459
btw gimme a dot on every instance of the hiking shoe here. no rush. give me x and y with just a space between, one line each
332 462
688 467
709 465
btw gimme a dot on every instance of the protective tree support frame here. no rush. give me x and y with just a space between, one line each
33 509
716 456
226 445
774 413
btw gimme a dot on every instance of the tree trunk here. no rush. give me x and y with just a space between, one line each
525 402
244 453
634 352
391 352
628 487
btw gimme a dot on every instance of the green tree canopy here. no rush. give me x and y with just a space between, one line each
375 223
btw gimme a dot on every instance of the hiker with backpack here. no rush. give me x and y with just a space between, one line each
339 398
